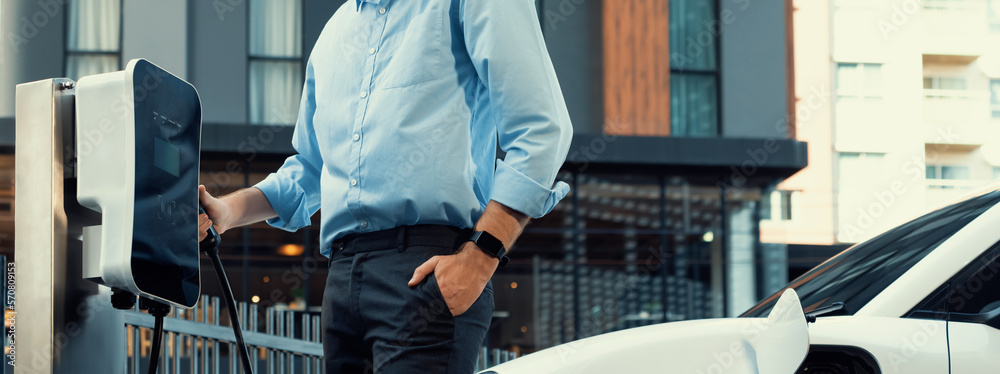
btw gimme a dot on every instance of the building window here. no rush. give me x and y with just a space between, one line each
859 168
948 172
694 70
994 15
995 97
777 205
859 96
996 172
944 83
859 80
275 61
93 37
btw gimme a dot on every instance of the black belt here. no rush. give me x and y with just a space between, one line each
401 237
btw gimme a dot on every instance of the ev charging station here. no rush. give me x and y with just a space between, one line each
106 211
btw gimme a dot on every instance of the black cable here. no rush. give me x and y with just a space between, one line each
158 310
233 317
211 247
154 353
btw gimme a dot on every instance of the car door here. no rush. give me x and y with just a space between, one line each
970 304
974 316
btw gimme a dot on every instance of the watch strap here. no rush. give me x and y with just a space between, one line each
491 245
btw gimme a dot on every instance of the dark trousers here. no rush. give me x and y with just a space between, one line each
373 322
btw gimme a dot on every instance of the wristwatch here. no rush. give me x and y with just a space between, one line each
491 245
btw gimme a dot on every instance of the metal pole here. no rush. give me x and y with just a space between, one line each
53 336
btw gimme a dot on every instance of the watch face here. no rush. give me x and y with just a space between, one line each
165 254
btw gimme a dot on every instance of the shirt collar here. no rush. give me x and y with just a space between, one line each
362 1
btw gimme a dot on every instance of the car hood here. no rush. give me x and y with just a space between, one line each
776 344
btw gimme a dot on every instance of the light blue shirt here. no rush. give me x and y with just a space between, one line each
404 104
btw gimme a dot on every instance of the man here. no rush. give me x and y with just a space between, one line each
404 104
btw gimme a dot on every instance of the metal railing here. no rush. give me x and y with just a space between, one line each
199 341
195 340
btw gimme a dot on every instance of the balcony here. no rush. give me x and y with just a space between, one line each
944 191
955 28
957 117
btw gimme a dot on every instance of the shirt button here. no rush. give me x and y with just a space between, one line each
364 94
357 137
371 51
381 11
364 223
354 182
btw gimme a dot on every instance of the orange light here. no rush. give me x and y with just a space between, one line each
513 284
255 299
267 279
524 328
291 250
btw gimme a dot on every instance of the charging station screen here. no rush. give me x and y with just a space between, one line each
165 254
167 156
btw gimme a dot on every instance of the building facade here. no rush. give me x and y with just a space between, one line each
682 111
899 102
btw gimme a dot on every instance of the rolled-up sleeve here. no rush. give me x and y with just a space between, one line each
506 46
294 190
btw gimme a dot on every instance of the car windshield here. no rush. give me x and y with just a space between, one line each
856 275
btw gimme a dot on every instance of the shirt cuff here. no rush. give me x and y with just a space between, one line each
519 192
287 199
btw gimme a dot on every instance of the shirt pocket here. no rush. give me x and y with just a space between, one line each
416 51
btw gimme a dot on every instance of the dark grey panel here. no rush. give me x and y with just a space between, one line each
247 140
573 36
317 12
734 161
217 49
754 101
7 132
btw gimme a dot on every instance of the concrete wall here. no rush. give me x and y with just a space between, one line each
218 63
157 31
31 46
754 100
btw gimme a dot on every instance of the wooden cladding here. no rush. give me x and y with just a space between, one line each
636 67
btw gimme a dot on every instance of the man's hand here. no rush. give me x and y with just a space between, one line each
218 214
461 276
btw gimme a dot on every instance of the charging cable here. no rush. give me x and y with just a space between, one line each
211 248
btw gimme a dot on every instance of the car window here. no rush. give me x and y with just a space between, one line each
858 274
974 290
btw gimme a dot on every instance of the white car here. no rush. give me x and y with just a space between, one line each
923 297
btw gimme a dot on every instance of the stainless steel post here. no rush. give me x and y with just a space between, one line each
64 323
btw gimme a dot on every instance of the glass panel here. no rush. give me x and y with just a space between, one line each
847 79
275 91
994 15
81 65
276 28
995 96
931 172
694 107
872 79
955 172
94 25
689 35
